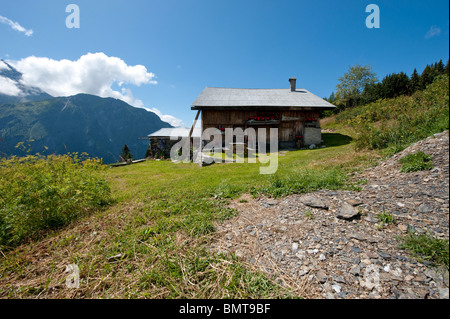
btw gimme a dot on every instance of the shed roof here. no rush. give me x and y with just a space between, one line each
258 98
176 132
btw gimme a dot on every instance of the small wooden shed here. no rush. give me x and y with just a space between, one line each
295 112
161 141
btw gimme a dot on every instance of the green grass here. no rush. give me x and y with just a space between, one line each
309 214
426 247
415 162
204 275
385 219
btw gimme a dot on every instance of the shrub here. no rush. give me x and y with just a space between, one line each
416 162
38 194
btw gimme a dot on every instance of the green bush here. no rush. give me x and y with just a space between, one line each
38 194
416 162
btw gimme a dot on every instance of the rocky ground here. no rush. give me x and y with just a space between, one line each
330 244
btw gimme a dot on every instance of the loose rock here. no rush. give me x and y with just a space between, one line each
347 211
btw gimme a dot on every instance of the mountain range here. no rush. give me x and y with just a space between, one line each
80 123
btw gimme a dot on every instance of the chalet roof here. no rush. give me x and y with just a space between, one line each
176 132
258 98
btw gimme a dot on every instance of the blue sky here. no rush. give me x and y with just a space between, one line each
187 45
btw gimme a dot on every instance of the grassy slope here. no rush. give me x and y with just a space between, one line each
160 229
394 124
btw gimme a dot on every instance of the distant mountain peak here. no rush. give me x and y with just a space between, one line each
79 123
25 93
7 71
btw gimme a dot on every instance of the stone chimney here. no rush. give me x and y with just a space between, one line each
293 82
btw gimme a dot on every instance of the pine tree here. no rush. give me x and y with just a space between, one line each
446 68
426 77
395 84
332 98
126 154
414 83
372 92
440 68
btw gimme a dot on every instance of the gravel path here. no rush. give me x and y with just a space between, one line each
330 244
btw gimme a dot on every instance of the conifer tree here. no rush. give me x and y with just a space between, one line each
426 77
332 98
126 154
395 84
414 82
440 68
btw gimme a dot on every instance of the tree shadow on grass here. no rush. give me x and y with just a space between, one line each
335 139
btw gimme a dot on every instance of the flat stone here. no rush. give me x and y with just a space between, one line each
425 208
356 270
314 202
371 219
359 237
340 280
321 276
384 255
303 271
443 293
336 288
347 212
354 202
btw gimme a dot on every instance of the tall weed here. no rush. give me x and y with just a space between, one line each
39 193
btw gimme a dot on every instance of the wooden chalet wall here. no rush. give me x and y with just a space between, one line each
291 124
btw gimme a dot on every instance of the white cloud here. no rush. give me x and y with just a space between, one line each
15 26
8 87
3 66
93 73
167 118
434 31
